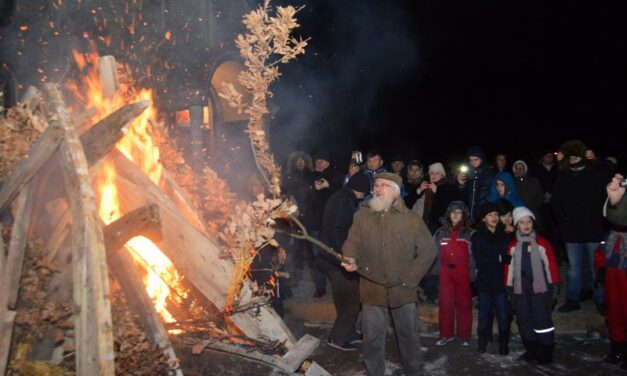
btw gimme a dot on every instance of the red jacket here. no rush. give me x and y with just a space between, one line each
546 255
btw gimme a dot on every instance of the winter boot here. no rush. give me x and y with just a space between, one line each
617 353
531 355
503 343
483 344
569 306
545 354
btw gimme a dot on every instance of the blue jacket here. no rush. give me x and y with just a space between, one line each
510 190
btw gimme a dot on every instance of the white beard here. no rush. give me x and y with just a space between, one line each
381 203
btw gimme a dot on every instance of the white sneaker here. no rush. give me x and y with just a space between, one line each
443 341
465 343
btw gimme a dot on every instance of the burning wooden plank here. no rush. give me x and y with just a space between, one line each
12 272
142 221
195 255
102 137
94 339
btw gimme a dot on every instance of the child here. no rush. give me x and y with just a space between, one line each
453 242
489 249
505 209
611 268
532 278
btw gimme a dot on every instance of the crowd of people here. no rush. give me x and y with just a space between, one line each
410 233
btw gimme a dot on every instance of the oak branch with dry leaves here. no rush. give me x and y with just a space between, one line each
267 43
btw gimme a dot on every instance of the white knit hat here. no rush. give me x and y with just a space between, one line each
437 166
520 212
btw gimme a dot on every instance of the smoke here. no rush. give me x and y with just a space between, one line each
329 98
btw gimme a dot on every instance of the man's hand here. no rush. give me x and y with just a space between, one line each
321 184
614 191
461 178
349 264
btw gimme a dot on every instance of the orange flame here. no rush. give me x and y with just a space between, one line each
161 279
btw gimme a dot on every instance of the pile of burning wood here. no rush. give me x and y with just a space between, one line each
108 255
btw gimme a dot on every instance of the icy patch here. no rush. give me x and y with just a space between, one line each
503 362
437 367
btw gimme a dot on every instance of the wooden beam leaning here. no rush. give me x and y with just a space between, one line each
38 154
94 338
141 221
98 140
10 286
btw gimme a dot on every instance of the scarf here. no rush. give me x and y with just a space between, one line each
539 283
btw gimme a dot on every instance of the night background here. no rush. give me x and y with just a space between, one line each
431 78
426 79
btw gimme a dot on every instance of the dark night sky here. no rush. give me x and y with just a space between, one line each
431 78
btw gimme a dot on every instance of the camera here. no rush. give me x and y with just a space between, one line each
623 182
357 157
463 169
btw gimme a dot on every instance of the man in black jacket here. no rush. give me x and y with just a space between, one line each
337 219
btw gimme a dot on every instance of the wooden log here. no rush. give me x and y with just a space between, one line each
102 137
31 98
108 75
94 337
305 346
10 286
194 255
142 221
3 255
38 154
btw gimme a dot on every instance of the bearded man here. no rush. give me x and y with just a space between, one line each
391 248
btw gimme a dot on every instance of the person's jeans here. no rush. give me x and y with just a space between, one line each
577 253
406 327
488 303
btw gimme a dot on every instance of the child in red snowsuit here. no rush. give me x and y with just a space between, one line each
611 270
454 269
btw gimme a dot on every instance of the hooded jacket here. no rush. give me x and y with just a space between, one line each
511 194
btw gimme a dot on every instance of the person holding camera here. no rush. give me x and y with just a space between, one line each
611 268
474 183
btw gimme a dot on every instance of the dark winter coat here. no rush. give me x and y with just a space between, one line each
545 177
490 253
394 250
445 194
337 220
477 188
319 198
577 203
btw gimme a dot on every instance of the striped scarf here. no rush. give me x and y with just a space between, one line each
539 283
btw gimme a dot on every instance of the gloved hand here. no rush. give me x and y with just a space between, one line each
599 279
554 292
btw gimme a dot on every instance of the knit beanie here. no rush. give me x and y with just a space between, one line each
503 206
437 166
520 212
359 182
487 208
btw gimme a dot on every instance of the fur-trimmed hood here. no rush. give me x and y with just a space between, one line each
291 161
